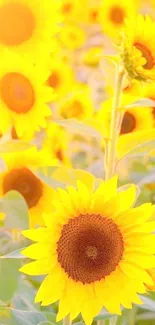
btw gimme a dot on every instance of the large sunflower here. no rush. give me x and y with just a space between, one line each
27 26
94 244
23 95
19 175
138 48
113 14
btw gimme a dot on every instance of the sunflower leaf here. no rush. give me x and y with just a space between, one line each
142 102
14 255
15 208
14 146
9 278
76 126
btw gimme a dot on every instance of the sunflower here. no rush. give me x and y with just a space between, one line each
19 175
149 92
94 244
113 14
61 77
138 48
93 56
27 26
78 104
70 9
72 36
134 119
56 143
23 95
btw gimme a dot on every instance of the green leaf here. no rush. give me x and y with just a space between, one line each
23 317
14 146
45 174
14 255
16 210
46 323
148 304
142 102
9 277
78 127
103 315
51 316
142 149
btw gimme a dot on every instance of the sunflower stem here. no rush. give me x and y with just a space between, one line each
132 316
66 321
114 128
101 322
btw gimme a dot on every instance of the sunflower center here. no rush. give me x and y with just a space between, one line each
128 123
17 92
74 109
147 55
117 15
66 8
94 16
59 154
90 248
54 80
26 183
14 134
17 23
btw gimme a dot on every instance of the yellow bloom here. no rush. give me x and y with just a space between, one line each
113 14
70 9
138 48
56 143
149 92
77 104
23 95
61 77
137 125
93 56
94 244
134 119
28 26
19 176
72 37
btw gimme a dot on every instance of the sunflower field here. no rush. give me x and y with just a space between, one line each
77 162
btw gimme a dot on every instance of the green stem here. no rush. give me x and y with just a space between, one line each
66 321
101 322
132 316
113 320
114 129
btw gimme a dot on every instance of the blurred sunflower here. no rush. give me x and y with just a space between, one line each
138 48
61 77
26 26
134 119
56 143
23 95
70 9
72 37
92 56
93 11
78 104
149 92
19 176
94 244
113 14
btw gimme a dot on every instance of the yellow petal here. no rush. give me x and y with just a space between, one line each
135 272
121 202
36 251
39 267
52 287
39 234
